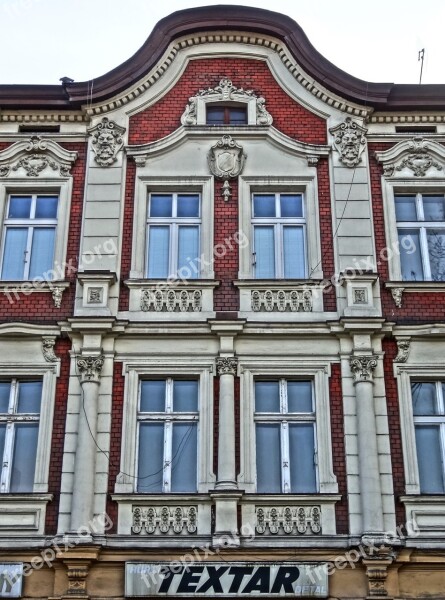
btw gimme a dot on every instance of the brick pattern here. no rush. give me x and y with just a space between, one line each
326 234
38 307
115 440
226 251
127 234
417 307
62 349
164 116
338 447
395 435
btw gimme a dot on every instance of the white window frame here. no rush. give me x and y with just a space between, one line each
169 185
279 223
173 368
305 185
49 379
31 224
390 189
267 369
62 187
405 375
173 223
422 226
168 417
284 419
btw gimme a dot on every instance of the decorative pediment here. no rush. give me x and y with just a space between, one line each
226 92
417 157
349 141
35 157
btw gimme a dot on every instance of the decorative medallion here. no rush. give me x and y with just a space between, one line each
107 141
226 161
349 141
226 92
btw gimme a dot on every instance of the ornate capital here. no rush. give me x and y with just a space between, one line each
349 141
362 367
48 344
90 368
226 366
107 141
403 347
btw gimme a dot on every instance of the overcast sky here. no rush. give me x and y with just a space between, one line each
376 40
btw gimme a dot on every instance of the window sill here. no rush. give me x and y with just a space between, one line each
417 286
310 515
23 514
164 300
425 515
14 289
280 299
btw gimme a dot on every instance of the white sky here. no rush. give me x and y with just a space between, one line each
376 40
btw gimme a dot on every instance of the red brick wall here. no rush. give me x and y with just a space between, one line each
289 117
395 434
115 440
327 247
417 307
38 307
226 251
62 348
127 234
338 447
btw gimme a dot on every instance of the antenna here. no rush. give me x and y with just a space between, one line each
421 57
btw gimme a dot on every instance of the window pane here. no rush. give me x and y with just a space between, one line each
410 258
46 207
188 250
302 464
429 458
436 251
184 457
5 390
268 458
291 205
434 208
30 395
264 205
14 253
237 116
19 207
158 252
152 396
299 396
161 205
293 253
215 115
2 440
264 252
150 457
185 396
424 398
188 205
406 208
24 458
42 252
267 396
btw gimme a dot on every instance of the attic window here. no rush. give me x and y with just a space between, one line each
416 129
226 115
39 128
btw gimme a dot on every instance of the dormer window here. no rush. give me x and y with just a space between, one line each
226 115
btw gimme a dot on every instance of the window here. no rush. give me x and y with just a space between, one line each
421 220
168 436
226 115
278 236
173 235
429 425
285 437
29 236
19 427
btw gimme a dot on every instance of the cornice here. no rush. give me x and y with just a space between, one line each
238 24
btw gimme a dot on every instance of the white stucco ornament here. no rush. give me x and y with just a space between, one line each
226 161
107 141
349 141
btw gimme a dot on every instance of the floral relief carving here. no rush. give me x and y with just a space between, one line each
224 92
403 347
164 520
349 141
107 141
418 155
35 156
171 300
362 367
282 301
90 367
48 344
226 366
290 520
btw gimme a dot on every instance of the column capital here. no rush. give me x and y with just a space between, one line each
90 368
226 365
362 367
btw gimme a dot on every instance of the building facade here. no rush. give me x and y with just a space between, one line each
222 326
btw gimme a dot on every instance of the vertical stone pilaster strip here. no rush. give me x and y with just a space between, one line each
226 370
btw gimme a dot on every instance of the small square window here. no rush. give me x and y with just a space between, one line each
226 115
